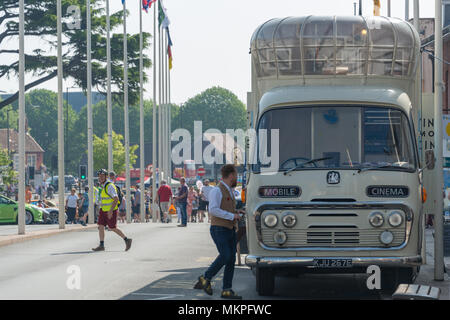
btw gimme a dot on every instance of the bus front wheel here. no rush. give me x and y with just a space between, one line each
265 281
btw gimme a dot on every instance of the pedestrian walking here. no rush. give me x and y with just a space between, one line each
177 205
182 202
147 206
194 217
224 219
192 195
83 209
137 204
50 192
204 203
123 209
164 199
28 194
109 204
71 206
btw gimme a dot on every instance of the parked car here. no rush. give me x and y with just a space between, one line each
9 209
51 212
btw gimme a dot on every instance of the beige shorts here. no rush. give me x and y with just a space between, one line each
165 206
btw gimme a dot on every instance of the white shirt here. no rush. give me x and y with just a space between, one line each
72 201
215 198
206 191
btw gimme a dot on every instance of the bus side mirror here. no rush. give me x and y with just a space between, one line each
430 159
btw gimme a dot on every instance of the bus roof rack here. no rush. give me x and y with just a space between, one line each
335 46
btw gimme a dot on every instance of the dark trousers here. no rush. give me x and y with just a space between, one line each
182 206
225 240
71 213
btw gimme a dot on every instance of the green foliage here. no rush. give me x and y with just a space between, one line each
13 117
6 172
42 114
40 16
101 153
217 108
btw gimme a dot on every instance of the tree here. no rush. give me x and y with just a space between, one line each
101 153
40 18
13 117
217 108
42 114
7 173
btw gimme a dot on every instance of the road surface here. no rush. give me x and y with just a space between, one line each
163 263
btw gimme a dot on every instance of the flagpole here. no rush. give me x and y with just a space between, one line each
166 112
91 218
163 117
170 129
154 158
125 107
160 169
61 206
141 111
108 99
21 213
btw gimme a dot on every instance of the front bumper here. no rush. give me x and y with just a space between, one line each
273 262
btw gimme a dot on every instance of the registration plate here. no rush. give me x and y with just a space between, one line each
333 263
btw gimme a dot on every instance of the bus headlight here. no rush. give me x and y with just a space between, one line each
395 219
280 237
376 219
271 220
386 237
289 220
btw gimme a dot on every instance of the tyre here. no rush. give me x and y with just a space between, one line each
29 218
54 217
265 281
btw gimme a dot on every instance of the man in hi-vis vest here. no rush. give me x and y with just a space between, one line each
224 218
109 203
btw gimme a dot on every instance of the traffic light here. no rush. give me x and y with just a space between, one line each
83 172
31 173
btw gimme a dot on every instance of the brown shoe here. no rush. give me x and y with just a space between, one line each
205 284
99 248
230 295
128 244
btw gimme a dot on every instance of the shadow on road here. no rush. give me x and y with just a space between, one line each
178 285
74 252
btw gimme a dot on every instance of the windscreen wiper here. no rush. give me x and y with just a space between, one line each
382 167
307 162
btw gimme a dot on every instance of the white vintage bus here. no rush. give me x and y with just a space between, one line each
347 192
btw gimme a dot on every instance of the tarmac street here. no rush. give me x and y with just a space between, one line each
163 264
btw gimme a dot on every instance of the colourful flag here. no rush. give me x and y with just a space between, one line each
123 1
169 53
169 48
147 4
168 37
162 17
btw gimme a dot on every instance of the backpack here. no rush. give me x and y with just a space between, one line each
119 193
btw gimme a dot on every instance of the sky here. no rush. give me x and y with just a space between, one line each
211 38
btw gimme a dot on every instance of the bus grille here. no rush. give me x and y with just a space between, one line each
332 237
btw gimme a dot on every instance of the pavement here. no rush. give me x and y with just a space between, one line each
9 233
163 264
